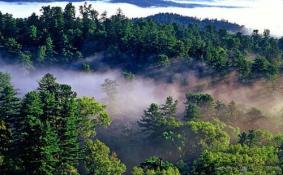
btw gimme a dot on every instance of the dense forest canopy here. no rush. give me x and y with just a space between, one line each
53 131
58 36
171 18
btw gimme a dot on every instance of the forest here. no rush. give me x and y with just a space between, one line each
59 37
52 130
171 18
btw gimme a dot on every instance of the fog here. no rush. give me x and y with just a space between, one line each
134 96
254 14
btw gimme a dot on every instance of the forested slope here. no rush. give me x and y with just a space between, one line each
57 36
171 18
53 131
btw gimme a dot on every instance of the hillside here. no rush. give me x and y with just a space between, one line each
136 46
91 94
171 18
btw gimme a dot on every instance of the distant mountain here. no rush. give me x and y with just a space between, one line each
170 18
166 3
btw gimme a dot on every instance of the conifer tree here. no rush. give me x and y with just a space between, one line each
40 148
9 113
60 109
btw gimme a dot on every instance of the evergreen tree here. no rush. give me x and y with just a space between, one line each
69 16
68 129
9 102
60 109
169 108
50 151
5 141
198 106
159 118
50 133
9 117
39 144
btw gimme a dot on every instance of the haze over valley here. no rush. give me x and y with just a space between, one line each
138 87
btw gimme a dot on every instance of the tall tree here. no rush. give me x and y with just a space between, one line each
60 109
9 117
39 144
69 16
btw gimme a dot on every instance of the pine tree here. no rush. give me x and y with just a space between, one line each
9 112
9 102
169 108
4 146
49 151
60 109
39 143
31 130
68 132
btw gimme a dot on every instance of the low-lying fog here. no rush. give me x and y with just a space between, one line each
255 14
131 97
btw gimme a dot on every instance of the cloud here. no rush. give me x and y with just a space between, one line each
256 14
131 99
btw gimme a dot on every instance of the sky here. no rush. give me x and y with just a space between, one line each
254 14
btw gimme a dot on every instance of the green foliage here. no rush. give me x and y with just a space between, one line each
155 166
263 67
33 32
26 60
52 131
62 101
211 136
13 46
217 58
9 118
91 115
255 138
198 105
211 145
4 145
239 159
48 131
9 102
99 160
42 53
182 138
57 36
193 112
163 60
190 139
159 118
